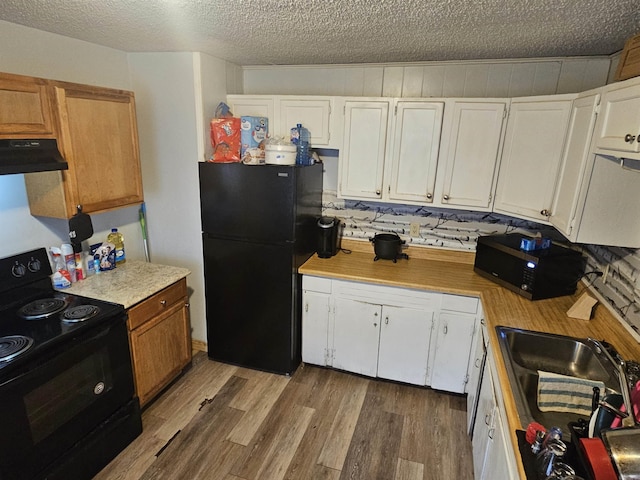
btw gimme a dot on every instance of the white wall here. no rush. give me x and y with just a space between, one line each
176 94
487 78
27 51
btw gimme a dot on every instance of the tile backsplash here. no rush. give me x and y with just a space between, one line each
459 230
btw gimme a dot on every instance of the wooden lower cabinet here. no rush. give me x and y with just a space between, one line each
160 339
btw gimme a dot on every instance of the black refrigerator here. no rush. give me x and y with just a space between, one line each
258 227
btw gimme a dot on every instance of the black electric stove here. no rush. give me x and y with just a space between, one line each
34 316
66 381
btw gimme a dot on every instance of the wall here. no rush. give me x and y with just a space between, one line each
490 78
176 94
32 52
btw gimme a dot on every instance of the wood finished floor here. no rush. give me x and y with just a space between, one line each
220 422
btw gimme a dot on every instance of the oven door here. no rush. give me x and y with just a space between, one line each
52 403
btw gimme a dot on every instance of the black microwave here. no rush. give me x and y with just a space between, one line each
535 274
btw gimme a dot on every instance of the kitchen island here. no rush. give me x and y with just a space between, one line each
452 272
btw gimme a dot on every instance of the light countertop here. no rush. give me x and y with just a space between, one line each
452 272
128 284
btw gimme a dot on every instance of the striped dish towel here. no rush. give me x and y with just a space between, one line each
561 393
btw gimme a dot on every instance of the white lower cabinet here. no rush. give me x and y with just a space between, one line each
452 343
315 322
405 334
356 335
493 455
389 332
316 307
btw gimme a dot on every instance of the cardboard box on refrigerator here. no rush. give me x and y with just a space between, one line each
254 131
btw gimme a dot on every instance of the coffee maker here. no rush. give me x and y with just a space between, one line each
328 236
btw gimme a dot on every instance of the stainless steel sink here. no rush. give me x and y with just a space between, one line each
525 352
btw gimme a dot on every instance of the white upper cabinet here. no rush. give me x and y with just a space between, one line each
471 141
533 147
575 161
414 154
254 106
313 114
619 130
390 155
284 112
364 147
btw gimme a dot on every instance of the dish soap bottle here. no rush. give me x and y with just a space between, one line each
117 239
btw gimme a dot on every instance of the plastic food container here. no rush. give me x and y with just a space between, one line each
280 154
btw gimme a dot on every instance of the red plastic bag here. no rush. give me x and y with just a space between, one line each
225 139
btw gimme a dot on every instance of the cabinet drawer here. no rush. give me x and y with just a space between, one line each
157 303
458 303
316 284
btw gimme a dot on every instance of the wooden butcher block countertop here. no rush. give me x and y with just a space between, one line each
452 272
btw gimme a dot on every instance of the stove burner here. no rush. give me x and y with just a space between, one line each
80 313
400 255
13 345
43 308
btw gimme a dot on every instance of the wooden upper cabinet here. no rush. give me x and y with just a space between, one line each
98 138
25 107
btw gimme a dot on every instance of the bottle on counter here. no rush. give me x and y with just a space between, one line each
117 239
60 277
89 265
69 257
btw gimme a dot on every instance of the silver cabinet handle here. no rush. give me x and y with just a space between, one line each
445 198
163 303
629 138
545 213
429 196
445 329
386 320
491 433
478 362
377 192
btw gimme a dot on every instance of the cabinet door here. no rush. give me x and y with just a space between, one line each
99 140
574 163
404 344
255 106
160 349
414 159
496 462
356 336
315 327
531 155
314 115
362 159
483 424
472 155
25 107
474 374
452 350
620 120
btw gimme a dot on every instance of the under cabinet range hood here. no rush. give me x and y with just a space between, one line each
28 156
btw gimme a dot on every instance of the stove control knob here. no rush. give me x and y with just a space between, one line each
18 270
34 265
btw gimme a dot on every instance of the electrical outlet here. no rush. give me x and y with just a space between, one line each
414 229
605 274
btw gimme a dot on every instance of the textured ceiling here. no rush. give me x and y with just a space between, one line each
292 32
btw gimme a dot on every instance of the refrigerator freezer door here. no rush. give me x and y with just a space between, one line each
248 202
253 304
